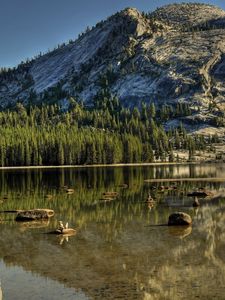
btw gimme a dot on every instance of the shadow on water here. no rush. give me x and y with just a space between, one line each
122 248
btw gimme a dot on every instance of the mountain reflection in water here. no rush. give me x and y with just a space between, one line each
118 252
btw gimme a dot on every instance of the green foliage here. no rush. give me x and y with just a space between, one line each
107 133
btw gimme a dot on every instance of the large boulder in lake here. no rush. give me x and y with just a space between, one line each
34 214
179 219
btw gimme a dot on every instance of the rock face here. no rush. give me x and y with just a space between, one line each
34 214
179 219
175 54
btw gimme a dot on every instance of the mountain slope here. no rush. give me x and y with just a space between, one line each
175 54
86 57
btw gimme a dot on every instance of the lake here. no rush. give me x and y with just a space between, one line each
120 251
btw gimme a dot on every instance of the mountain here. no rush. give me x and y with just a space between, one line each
175 54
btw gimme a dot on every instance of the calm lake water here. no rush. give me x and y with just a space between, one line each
119 252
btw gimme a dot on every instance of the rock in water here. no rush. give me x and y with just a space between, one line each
34 214
70 191
65 231
179 218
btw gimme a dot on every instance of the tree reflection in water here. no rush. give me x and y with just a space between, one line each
115 253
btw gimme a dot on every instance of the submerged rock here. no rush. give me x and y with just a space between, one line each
34 214
179 219
65 231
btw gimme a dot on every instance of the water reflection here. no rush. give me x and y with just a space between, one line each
196 265
34 286
33 225
180 231
115 253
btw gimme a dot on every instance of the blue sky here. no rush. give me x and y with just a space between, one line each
28 27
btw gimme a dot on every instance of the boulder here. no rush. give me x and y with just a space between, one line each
179 219
34 214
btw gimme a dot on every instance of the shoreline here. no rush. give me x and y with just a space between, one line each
106 165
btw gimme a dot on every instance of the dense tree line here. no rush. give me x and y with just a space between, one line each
107 133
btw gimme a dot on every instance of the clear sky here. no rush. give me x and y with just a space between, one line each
28 27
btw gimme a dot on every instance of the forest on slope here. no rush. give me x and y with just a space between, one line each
106 134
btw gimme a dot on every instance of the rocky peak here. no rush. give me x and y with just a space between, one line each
130 11
188 14
133 21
